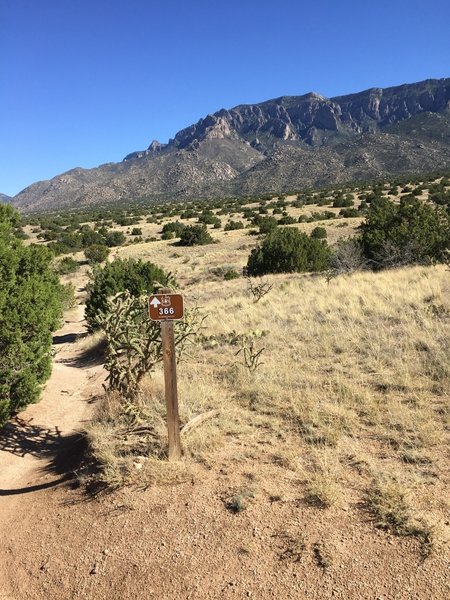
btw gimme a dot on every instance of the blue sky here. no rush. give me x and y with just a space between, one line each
85 82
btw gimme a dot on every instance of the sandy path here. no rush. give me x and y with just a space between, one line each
31 445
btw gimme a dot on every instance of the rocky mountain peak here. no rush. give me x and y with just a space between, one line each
285 143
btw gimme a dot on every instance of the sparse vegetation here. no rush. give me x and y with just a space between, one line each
339 409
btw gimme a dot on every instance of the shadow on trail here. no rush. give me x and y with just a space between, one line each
63 453
68 338
90 357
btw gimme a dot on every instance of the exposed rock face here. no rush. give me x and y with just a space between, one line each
285 143
5 198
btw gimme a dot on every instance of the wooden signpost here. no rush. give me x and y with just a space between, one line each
167 307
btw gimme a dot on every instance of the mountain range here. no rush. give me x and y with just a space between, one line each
288 143
5 198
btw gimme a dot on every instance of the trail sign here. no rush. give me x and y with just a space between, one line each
166 307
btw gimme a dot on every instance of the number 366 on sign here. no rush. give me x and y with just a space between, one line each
165 307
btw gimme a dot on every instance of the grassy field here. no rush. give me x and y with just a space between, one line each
351 395
343 383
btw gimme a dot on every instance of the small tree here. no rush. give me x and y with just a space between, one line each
287 250
195 235
96 253
319 233
115 238
412 231
30 308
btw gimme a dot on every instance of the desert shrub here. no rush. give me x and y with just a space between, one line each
133 343
89 237
319 233
96 253
171 230
208 218
342 202
346 257
115 238
31 306
195 235
231 225
266 224
68 299
67 265
411 232
287 220
287 250
136 231
136 276
230 274
348 213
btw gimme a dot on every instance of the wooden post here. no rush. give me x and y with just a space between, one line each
170 382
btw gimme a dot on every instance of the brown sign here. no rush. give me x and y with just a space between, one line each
166 307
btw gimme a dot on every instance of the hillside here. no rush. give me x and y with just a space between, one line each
287 143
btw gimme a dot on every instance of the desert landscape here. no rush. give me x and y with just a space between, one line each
313 414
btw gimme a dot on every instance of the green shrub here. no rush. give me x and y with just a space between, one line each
266 224
115 238
171 230
96 253
319 233
287 250
136 276
287 220
410 232
349 212
231 225
31 307
136 231
68 299
342 202
195 235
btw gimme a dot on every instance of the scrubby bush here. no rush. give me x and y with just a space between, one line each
266 224
136 231
172 229
195 235
30 308
319 233
287 220
410 232
115 238
287 250
231 225
230 274
342 202
347 213
136 276
96 253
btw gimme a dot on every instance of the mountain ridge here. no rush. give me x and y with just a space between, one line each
284 143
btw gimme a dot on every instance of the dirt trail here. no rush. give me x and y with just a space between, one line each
180 542
32 444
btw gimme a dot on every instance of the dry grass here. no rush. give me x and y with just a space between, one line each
354 387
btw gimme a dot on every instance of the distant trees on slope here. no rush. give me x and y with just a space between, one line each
393 234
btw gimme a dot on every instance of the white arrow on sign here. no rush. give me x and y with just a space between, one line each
155 302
